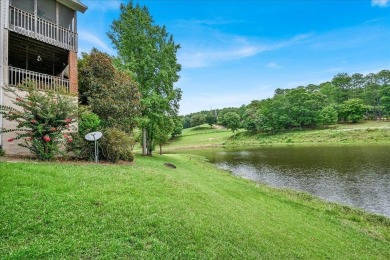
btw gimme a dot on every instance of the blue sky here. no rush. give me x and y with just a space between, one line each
233 52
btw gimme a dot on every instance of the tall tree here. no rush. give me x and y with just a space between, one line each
211 118
112 94
232 120
148 52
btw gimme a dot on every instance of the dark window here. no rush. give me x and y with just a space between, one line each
47 10
25 5
65 17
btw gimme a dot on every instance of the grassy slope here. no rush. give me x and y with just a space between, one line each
153 212
364 132
200 137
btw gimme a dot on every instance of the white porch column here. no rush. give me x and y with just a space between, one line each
4 6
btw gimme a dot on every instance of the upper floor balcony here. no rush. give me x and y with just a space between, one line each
31 25
18 76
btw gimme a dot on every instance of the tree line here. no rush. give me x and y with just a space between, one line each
346 98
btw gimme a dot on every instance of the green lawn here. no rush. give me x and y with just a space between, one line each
200 137
148 211
365 132
372 132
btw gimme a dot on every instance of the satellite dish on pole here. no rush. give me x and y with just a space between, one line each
94 136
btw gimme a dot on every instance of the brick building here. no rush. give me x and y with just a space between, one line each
38 41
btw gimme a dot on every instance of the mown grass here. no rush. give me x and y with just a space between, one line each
345 134
372 132
148 211
200 137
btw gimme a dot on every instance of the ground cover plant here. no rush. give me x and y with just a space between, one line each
149 211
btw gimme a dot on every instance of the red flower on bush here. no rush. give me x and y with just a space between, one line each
68 120
46 138
53 129
33 121
70 140
18 99
11 140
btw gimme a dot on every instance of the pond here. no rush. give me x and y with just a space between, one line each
357 176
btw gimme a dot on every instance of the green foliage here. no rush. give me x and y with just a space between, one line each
315 105
148 53
111 93
327 116
352 110
197 119
211 119
186 121
163 131
178 127
87 122
2 152
42 118
116 145
232 120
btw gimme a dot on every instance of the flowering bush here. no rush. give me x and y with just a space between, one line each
41 120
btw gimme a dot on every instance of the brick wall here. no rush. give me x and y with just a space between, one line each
73 75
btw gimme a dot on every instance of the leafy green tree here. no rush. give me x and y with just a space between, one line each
211 119
352 110
148 52
232 120
273 116
327 116
111 93
178 126
197 119
186 121
304 106
42 118
164 132
343 84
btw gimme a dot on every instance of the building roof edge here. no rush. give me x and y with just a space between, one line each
74 4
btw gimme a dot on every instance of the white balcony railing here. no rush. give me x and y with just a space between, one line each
30 25
42 81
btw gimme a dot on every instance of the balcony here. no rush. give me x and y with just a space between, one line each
42 81
30 25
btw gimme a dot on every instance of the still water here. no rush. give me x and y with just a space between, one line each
358 176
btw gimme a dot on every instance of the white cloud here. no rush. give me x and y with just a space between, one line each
380 3
88 41
273 65
227 48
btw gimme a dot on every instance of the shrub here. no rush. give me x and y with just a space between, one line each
116 145
41 120
2 152
88 122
